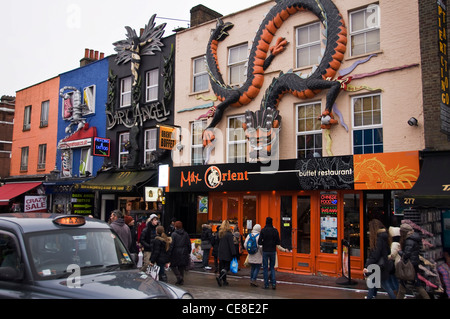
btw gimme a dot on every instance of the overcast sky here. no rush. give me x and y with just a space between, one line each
41 39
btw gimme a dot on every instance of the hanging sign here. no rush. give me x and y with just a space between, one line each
101 146
166 140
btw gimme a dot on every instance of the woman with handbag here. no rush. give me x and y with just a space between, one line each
410 247
227 252
378 255
160 252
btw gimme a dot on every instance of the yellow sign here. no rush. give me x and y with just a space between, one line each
166 141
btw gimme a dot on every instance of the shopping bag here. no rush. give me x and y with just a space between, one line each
234 266
153 271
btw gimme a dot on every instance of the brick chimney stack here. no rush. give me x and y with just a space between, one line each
91 56
201 14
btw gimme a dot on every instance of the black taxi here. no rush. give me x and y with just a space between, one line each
69 256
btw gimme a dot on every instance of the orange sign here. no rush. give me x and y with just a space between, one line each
166 141
398 170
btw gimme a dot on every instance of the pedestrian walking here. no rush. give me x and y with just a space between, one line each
148 235
378 254
160 252
226 252
254 254
206 238
410 244
269 239
131 224
394 257
180 252
215 249
171 227
119 226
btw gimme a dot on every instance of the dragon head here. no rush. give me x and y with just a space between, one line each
221 30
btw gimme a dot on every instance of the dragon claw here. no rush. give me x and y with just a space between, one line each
279 47
208 137
327 119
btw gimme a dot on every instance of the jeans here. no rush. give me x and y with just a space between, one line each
385 284
206 257
269 257
254 271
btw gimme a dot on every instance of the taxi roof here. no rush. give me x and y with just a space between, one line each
32 222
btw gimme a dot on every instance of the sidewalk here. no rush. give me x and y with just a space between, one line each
285 277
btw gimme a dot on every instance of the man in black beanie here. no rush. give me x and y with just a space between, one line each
269 239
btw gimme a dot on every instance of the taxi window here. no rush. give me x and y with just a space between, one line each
93 251
9 254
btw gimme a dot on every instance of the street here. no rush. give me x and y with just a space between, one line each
203 285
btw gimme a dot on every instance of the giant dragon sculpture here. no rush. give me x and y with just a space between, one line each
260 57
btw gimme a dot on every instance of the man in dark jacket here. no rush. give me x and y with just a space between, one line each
269 239
119 226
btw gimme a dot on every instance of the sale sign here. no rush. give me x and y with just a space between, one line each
35 204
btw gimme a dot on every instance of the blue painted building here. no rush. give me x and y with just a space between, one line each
81 122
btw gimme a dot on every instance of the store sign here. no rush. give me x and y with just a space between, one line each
75 144
83 203
328 222
166 140
35 204
443 64
101 146
153 194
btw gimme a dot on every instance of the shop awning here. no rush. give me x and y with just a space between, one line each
11 190
118 181
432 188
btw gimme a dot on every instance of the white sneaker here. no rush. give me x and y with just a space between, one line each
207 268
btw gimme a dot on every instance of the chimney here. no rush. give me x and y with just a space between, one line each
201 14
91 56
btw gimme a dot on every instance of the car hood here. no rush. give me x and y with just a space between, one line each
122 284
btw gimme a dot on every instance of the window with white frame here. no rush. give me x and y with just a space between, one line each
125 92
367 124
237 58
151 85
27 118
42 155
124 138
89 99
236 140
150 143
24 158
85 162
44 113
200 75
197 129
309 133
308 44
365 30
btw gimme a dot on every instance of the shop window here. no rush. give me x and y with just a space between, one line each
85 168
150 143
125 92
329 222
352 223
308 44
249 213
309 132
151 85
303 224
216 209
197 129
200 75
124 138
367 124
9 252
365 30
237 58
236 140
233 210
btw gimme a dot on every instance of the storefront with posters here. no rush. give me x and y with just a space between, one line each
315 203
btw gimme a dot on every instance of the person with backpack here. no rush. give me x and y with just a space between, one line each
254 253
269 238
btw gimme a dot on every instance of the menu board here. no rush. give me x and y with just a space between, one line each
328 222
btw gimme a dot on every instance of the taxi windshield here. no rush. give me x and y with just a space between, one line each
55 254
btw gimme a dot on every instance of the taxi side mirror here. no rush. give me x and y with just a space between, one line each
10 274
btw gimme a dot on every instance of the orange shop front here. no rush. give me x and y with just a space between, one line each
314 203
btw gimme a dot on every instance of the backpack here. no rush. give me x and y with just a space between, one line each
252 245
